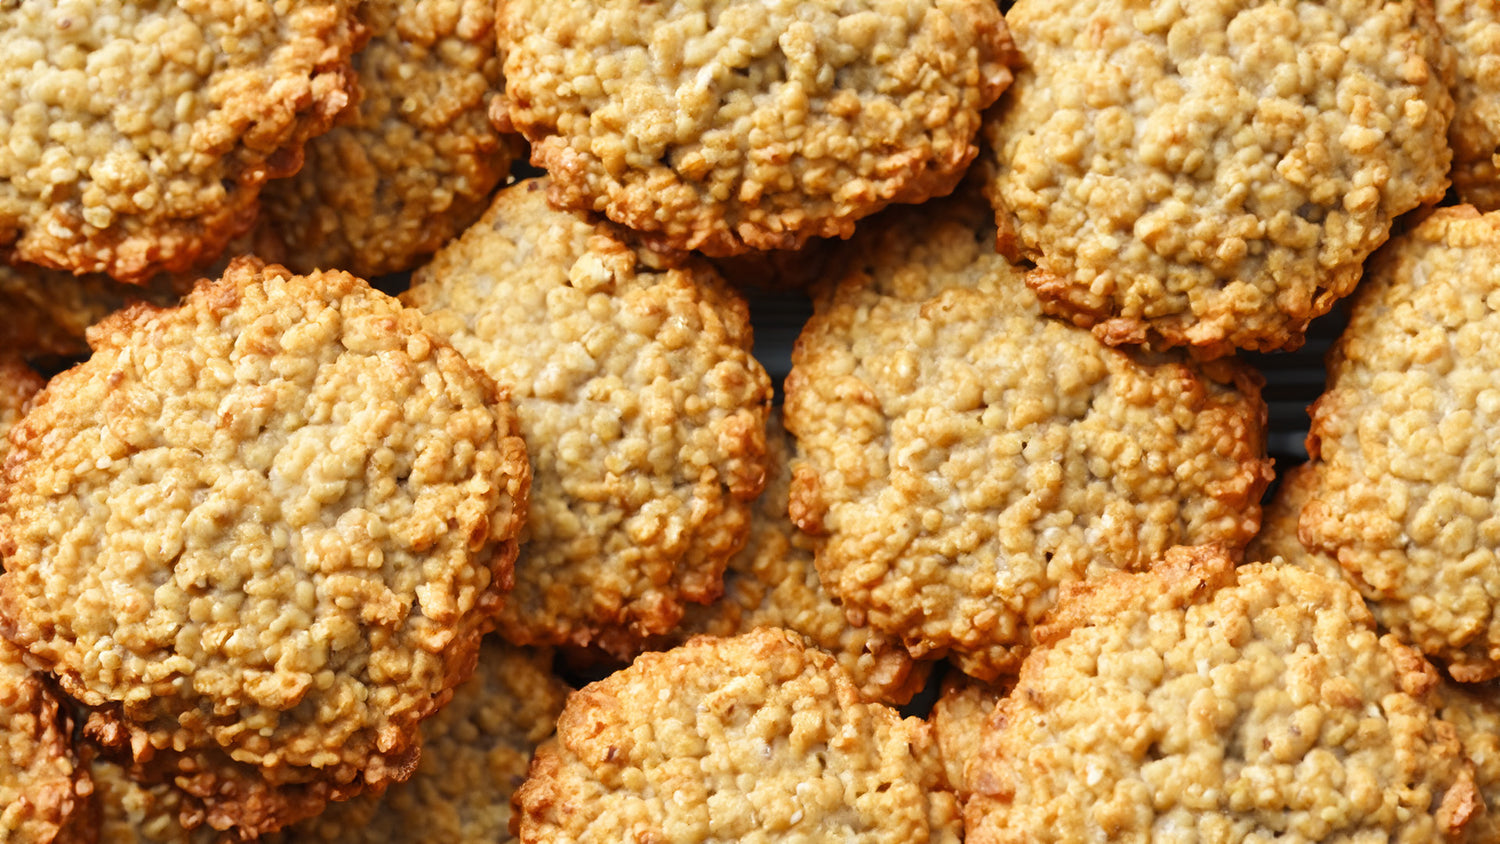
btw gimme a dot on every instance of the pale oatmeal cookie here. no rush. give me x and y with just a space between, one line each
1404 441
1473 28
958 718
965 455
734 125
641 406
1214 172
758 738
45 792
48 312
1197 702
773 582
268 525
414 164
137 135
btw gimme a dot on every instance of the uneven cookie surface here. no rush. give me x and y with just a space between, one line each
641 406
965 455
44 791
48 312
1278 535
1474 712
1196 702
1404 442
18 383
772 582
416 162
138 134
757 738
1214 173
958 718
728 125
1473 28
271 523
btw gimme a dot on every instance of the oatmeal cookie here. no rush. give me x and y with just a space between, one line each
641 406
18 383
1404 442
1278 527
48 312
1473 28
1197 702
1474 712
415 162
134 813
958 720
772 582
733 125
268 526
753 739
1214 173
45 792
965 455
137 135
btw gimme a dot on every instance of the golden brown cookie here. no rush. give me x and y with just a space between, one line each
47 312
414 163
772 582
18 383
133 813
138 134
734 125
1278 527
1472 27
641 406
45 792
270 524
1403 442
958 718
758 738
965 455
1214 173
1195 702
1474 712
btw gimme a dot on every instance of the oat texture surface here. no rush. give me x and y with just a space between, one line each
1473 28
44 790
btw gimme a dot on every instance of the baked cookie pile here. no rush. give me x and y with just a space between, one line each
338 446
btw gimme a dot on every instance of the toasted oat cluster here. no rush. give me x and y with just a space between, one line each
758 738
1213 173
965 455
1195 702
640 403
260 536
138 134
415 163
1472 27
1402 443
736 125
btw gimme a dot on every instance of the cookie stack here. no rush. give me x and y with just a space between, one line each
365 443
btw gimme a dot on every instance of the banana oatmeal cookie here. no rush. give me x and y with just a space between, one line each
641 406
260 536
415 163
1214 172
45 792
736 125
137 135
753 739
1473 28
1404 442
772 582
1197 702
965 455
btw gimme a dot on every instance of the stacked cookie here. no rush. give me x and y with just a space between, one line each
288 555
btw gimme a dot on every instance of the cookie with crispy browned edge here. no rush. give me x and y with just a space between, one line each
965 455
1198 702
45 791
757 738
139 134
260 535
958 718
48 312
1403 442
1474 712
18 383
1213 173
1473 28
735 125
1278 526
415 162
641 405
772 582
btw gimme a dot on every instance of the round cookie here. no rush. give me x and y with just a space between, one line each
965 455
1195 702
47 312
758 738
641 406
138 134
45 793
734 125
1214 173
260 535
1472 27
1404 442
415 162
772 582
